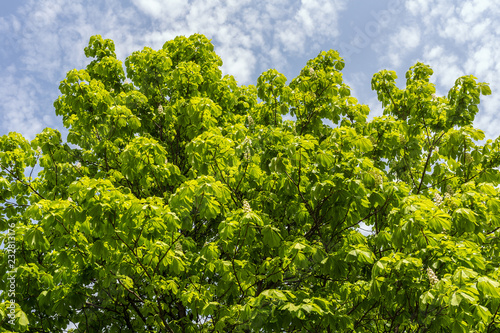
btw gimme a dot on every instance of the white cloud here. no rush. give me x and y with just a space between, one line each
16 24
163 9
418 6
400 44
445 66
252 29
456 29
48 37
479 61
408 38
472 10
315 19
439 9
20 110
292 39
487 119
238 62
460 38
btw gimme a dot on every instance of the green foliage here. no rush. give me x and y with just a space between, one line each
183 202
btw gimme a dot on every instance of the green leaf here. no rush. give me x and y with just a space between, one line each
455 299
99 249
299 246
485 89
459 327
177 265
482 312
379 268
126 281
463 275
325 160
121 122
427 297
172 286
273 293
44 298
291 307
488 189
363 144
361 256
271 236
467 296
439 220
23 319
209 308
376 285
488 287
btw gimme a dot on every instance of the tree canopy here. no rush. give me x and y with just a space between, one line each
184 202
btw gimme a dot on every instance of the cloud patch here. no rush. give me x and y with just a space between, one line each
20 110
455 39
163 9
44 39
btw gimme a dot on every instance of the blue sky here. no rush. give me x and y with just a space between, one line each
41 40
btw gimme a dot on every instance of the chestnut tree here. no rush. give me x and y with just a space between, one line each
184 202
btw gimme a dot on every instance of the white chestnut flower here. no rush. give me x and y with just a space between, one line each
251 122
379 181
39 150
438 199
468 158
69 199
433 279
246 207
247 155
434 96
78 165
160 109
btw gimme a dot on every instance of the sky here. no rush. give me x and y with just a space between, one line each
42 40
